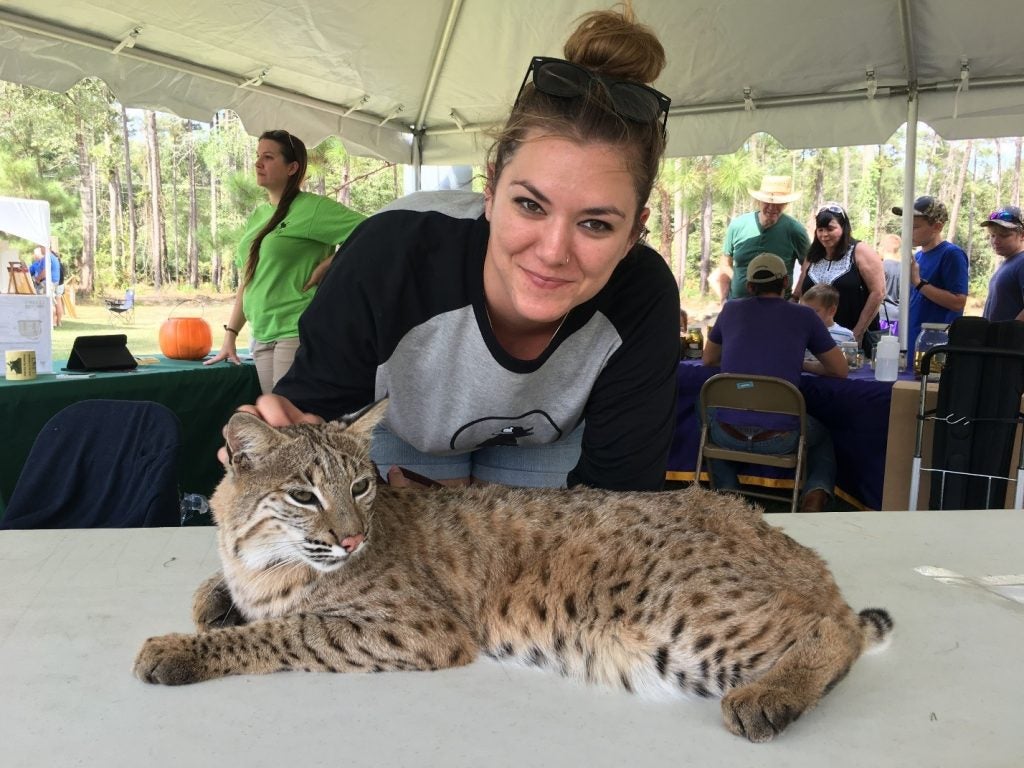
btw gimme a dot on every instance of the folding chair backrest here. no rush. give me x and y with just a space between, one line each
101 464
129 298
764 394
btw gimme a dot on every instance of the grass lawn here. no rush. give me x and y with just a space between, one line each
144 333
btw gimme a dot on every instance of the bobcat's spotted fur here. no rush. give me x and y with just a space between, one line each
661 593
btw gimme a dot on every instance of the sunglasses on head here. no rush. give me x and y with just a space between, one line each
836 209
281 137
564 80
1006 216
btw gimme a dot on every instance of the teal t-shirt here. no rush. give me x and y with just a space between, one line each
745 239
274 299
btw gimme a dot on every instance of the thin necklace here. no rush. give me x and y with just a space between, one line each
548 343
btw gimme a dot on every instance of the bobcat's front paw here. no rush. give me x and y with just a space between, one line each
212 607
170 660
760 713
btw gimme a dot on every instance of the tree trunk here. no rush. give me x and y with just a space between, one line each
948 183
133 226
819 180
344 193
85 193
878 195
954 211
931 164
193 213
999 178
94 178
1015 189
156 245
846 178
680 232
215 263
114 189
667 232
706 211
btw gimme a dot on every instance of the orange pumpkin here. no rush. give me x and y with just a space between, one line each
185 338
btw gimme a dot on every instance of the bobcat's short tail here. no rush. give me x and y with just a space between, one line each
875 627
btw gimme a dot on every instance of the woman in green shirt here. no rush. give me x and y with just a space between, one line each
285 250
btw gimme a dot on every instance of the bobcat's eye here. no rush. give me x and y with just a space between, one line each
301 496
359 487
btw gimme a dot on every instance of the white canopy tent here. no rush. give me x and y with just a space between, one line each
423 79
29 220
420 81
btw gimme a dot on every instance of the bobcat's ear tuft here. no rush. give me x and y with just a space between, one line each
361 423
249 439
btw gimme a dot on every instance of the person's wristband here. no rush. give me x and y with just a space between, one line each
921 284
226 328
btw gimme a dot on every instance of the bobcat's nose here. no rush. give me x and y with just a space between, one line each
351 543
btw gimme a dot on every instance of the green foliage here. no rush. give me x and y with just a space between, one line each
48 141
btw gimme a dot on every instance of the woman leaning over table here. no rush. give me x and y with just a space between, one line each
286 248
850 266
534 344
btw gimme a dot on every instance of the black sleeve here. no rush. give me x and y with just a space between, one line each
335 366
396 270
630 416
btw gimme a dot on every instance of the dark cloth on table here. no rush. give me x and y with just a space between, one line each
101 464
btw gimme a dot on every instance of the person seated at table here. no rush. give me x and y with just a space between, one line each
824 300
766 335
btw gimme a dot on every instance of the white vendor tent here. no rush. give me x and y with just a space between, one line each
412 80
27 219
421 81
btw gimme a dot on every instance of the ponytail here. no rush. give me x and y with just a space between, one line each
293 151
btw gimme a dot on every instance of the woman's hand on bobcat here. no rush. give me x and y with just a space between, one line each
277 411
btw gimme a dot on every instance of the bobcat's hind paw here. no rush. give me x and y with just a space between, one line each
170 660
758 713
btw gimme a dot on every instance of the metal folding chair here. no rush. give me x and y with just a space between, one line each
761 394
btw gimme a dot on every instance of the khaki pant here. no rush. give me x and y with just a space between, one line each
273 359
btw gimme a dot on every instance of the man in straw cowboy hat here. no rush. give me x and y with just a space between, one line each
765 230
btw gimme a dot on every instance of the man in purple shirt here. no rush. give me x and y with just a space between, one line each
766 335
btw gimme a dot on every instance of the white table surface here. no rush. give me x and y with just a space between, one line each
76 605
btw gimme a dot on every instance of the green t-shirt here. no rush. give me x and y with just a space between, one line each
274 300
745 238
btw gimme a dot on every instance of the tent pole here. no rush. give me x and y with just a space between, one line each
417 159
906 244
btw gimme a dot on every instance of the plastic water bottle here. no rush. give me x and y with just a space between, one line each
195 510
887 358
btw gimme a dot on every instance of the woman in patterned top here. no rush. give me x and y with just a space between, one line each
850 266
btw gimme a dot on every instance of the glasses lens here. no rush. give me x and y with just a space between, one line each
634 102
561 79
1003 216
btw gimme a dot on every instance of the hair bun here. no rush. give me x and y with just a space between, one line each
615 44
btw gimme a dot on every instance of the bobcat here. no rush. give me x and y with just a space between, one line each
661 593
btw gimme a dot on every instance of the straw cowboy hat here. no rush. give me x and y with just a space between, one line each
775 189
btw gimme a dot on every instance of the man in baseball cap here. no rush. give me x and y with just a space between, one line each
1006 288
938 273
766 335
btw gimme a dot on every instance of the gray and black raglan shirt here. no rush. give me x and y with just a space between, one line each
401 314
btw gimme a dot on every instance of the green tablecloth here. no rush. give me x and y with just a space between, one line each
203 397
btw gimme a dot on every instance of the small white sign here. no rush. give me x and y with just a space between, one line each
25 324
